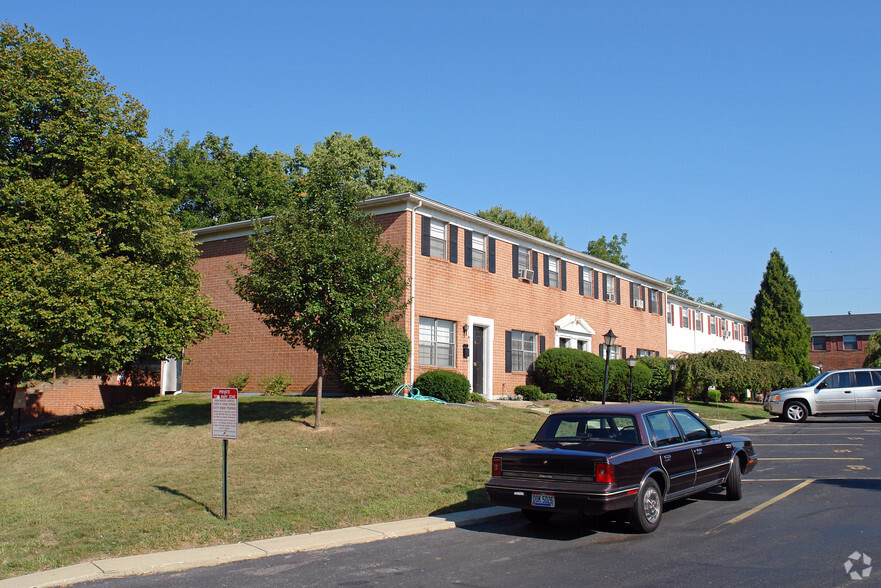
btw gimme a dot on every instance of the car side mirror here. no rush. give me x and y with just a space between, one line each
821 385
715 434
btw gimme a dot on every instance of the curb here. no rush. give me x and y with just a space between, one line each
185 559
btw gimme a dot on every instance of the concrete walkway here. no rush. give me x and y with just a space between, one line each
173 561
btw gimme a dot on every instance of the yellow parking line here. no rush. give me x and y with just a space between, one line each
760 507
805 458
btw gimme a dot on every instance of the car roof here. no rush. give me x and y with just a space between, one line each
634 409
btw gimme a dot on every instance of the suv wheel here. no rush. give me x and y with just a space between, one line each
796 411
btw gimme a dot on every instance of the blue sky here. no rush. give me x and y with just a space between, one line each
709 132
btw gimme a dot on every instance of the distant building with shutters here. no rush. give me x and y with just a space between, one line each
693 327
839 341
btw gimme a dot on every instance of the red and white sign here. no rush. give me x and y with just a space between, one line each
225 413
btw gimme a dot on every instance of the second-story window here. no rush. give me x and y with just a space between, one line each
553 272
478 250
438 239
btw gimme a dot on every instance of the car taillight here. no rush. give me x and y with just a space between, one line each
605 473
497 466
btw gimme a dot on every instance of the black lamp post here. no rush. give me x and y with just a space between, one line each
673 381
631 363
609 340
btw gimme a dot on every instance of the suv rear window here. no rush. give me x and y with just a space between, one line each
863 378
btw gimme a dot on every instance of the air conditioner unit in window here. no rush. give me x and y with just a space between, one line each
525 274
610 297
638 304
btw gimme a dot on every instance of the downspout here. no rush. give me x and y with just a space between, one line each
413 294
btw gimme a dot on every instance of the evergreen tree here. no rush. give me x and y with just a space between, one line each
779 328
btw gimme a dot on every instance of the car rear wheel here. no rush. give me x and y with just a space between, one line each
537 516
645 514
875 417
796 411
734 483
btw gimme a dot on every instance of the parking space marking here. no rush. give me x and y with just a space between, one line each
809 444
760 507
809 458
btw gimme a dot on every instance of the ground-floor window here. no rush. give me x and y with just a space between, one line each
437 342
523 351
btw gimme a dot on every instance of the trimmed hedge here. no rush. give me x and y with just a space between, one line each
572 374
374 363
532 393
444 385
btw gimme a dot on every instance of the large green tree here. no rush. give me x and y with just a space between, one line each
208 182
779 328
320 274
611 250
679 289
525 222
873 351
94 272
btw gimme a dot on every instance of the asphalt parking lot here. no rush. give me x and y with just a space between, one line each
809 517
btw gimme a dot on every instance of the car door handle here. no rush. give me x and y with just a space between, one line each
847 391
698 451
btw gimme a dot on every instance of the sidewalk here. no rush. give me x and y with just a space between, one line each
174 561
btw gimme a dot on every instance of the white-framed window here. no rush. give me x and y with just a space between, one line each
524 259
609 288
712 320
637 299
654 299
438 238
850 342
698 321
437 342
685 322
614 351
553 272
478 250
647 353
523 351
669 314
587 281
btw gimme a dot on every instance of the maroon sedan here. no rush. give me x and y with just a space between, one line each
616 457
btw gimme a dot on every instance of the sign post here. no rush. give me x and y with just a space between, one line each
225 425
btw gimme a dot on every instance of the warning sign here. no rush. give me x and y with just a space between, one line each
225 413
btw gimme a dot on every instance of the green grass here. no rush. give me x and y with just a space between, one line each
148 477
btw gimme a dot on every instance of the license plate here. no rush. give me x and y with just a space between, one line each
543 499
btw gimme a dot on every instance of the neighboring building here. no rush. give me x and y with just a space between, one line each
839 341
485 301
694 328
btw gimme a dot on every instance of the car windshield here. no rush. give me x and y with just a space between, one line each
816 379
588 427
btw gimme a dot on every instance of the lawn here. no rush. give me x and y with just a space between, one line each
149 477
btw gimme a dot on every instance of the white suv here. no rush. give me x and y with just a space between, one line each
840 392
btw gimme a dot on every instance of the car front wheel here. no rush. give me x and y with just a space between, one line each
796 411
734 483
646 512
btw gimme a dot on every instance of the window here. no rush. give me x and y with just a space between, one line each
664 432
850 342
647 353
609 288
654 307
581 426
712 320
553 272
587 281
523 351
698 321
523 256
838 380
691 426
438 239
478 250
614 351
437 342
863 378
669 314
637 296
684 312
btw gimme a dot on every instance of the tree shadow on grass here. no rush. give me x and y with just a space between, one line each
168 490
257 411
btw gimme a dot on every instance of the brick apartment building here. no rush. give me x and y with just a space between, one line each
485 301
839 341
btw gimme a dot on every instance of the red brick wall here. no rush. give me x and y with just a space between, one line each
836 357
67 396
443 290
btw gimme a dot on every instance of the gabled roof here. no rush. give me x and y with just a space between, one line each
845 323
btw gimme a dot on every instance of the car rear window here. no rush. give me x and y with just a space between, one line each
863 378
584 427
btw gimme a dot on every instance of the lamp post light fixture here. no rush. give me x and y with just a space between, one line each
673 381
609 339
631 363
821 367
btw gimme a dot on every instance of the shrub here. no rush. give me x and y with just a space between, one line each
532 393
570 374
444 385
472 397
374 363
714 395
238 381
658 386
276 385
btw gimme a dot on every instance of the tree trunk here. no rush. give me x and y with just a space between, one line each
8 386
319 390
